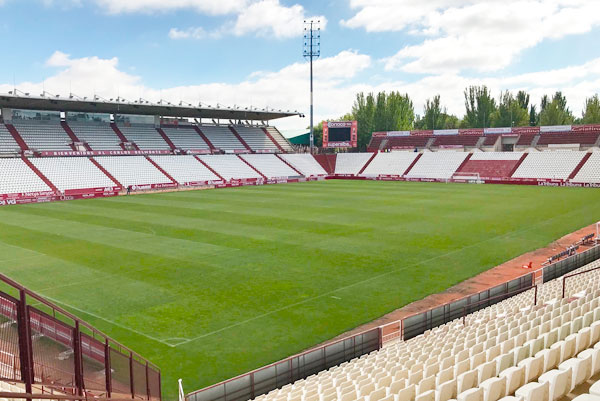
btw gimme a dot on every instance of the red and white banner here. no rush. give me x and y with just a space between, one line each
421 133
198 152
105 153
526 130
586 128
471 131
398 133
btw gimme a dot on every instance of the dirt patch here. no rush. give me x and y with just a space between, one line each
483 281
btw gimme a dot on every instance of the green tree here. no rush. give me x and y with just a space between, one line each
555 112
381 113
533 116
591 114
511 111
435 116
479 107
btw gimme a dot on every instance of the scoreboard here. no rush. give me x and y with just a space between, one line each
340 134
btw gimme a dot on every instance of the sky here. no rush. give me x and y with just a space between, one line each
249 52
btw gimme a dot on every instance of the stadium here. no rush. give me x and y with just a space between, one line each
169 251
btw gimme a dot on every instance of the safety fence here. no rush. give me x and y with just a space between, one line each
419 323
46 350
571 263
278 374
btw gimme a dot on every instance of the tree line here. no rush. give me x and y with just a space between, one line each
395 112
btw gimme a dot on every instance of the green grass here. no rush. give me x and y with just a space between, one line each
243 277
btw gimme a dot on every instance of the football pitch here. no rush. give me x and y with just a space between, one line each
211 284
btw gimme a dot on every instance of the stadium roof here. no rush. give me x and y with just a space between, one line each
140 107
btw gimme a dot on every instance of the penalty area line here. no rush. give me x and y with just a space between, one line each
110 321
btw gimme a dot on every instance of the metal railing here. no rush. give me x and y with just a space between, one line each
45 350
278 374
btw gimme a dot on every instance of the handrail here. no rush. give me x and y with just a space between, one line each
62 311
573 275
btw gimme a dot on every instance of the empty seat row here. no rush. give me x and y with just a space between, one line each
549 165
256 138
222 138
99 136
146 137
43 135
304 163
270 166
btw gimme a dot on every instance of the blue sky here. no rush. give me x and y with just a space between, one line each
248 52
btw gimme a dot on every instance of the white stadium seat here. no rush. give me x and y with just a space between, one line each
99 136
145 136
437 165
256 138
590 171
17 177
72 173
351 163
7 142
43 135
132 170
305 163
549 165
222 138
185 137
185 169
230 167
391 163
270 165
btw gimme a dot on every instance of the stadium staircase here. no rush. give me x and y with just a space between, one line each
17 137
521 160
113 179
535 141
273 140
289 165
39 174
580 165
413 164
122 137
73 137
239 138
208 142
166 138
210 168
162 170
252 167
367 163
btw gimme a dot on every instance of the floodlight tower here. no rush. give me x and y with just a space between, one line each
312 50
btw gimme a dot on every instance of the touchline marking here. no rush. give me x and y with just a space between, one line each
108 321
371 279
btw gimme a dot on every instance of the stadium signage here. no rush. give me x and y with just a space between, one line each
398 133
525 130
586 128
555 128
445 132
471 131
501 130
105 153
421 133
340 134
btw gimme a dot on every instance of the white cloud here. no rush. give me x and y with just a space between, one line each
269 17
259 17
287 88
484 35
210 7
189 33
